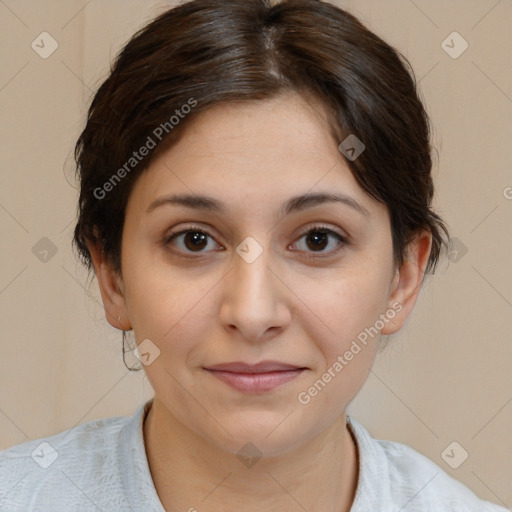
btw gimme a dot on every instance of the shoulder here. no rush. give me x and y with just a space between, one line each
417 478
43 452
57 472
411 481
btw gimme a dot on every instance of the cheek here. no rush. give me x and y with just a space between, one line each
165 304
343 330
344 305
155 292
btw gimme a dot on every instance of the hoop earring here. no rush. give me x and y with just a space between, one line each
125 349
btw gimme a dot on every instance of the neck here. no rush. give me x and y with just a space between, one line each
192 474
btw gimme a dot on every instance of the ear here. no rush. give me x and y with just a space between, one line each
407 281
111 288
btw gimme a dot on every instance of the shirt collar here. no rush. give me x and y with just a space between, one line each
139 487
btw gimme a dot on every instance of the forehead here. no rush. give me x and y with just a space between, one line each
253 152
288 124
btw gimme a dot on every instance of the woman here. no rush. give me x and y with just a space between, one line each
256 204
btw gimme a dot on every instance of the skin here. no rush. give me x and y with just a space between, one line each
215 307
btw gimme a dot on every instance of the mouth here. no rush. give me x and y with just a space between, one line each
255 378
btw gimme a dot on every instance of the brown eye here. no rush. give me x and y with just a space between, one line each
319 238
190 240
195 240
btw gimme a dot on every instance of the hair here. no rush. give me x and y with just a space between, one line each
207 52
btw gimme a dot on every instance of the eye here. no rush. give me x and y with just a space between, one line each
191 240
196 240
319 237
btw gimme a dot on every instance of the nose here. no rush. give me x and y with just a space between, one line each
254 305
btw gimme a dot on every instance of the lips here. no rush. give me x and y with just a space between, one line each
263 367
256 378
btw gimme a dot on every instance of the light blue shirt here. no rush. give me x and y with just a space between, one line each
101 466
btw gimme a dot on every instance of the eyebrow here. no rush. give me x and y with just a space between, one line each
293 205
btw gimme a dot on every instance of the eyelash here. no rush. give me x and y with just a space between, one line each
325 230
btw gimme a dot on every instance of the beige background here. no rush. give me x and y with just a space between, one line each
446 377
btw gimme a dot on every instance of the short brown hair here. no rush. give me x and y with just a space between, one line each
215 51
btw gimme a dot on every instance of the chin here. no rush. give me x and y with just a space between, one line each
270 434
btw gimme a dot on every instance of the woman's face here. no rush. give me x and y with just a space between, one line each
251 281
